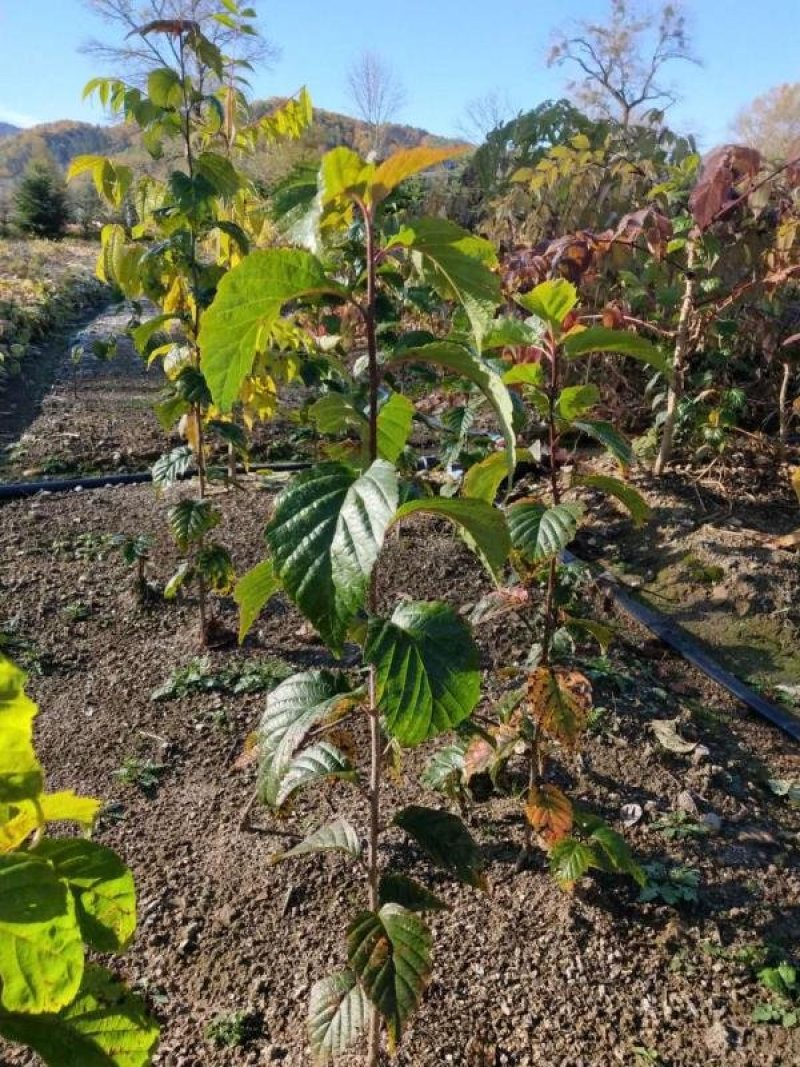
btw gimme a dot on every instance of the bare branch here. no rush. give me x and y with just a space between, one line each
377 93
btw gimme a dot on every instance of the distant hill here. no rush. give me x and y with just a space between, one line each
7 130
62 141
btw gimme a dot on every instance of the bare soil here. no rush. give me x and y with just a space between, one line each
524 974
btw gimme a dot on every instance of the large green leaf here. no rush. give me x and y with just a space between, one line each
326 533
539 532
314 764
102 886
445 840
400 889
41 951
576 400
21 775
610 438
335 836
390 953
428 677
248 303
467 364
570 860
458 265
292 709
630 498
482 526
336 412
252 592
394 426
338 1012
483 479
551 301
601 339
189 520
105 1026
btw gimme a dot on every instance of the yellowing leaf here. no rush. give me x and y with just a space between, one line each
560 701
407 162
549 812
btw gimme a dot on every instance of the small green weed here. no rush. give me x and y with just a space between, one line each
85 546
231 1030
783 982
680 825
76 611
673 885
198 676
703 573
142 773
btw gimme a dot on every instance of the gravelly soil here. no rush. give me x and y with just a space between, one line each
523 975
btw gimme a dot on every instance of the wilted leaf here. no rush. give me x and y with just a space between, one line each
560 701
549 812
445 840
338 1012
666 731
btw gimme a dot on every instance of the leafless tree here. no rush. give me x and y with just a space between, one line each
485 113
771 123
131 55
377 94
621 61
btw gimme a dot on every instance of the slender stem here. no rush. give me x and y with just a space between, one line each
782 412
376 740
675 391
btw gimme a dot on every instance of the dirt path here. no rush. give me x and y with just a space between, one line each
97 415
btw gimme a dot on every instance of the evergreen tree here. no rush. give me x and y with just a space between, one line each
41 201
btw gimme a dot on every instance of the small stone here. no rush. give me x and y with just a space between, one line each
700 755
712 821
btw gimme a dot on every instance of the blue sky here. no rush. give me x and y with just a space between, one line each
446 51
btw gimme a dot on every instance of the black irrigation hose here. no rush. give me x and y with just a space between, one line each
658 624
18 490
674 635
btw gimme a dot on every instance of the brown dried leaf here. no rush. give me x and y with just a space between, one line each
549 812
560 701
249 754
722 170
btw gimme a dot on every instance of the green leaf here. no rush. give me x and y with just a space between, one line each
169 467
446 841
390 953
21 775
214 563
247 305
601 339
576 400
105 1026
292 709
315 763
613 853
338 1012
457 265
336 412
252 592
335 836
164 87
525 374
445 768
482 526
551 301
467 364
325 536
399 889
219 172
630 498
189 520
394 426
41 951
483 479
539 532
510 333
177 581
102 886
570 860
428 677
609 438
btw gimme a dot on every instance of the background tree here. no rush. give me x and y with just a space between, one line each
377 94
771 123
486 113
41 201
621 62
130 54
